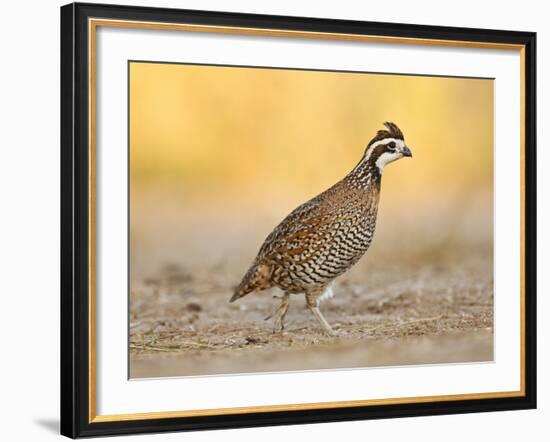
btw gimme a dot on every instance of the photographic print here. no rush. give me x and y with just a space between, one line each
288 219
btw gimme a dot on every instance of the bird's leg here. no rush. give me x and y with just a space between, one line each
312 300
280 313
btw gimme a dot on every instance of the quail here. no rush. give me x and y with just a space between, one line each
325 236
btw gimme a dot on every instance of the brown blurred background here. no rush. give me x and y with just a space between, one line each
220 155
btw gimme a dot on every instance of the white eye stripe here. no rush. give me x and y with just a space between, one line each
373 146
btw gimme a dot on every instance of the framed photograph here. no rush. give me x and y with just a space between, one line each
229 254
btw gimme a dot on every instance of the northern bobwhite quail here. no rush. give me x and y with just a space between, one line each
325 236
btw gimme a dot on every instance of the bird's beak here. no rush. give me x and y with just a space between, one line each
407 152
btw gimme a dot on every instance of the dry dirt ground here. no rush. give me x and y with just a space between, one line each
400 305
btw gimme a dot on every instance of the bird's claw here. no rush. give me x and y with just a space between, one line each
278 325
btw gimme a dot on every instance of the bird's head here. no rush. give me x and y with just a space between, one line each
387 146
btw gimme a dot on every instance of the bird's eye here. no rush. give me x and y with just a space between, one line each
391 146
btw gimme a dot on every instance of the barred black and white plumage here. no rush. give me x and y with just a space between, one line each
324 237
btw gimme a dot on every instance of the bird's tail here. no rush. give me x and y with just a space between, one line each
257 278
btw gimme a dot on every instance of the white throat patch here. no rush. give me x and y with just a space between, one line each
386 158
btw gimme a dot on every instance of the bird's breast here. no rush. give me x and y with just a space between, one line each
328 252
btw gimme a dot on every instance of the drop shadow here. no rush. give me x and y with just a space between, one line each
51 425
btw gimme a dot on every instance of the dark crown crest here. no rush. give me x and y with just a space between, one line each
392 132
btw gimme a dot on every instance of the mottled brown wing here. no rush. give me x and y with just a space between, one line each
301 228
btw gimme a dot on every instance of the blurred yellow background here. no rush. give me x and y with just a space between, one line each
229 146
208 129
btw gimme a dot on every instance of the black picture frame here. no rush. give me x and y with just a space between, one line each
75 219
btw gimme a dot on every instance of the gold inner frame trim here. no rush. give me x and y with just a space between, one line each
93 24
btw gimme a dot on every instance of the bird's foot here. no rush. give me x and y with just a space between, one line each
274 313
332 333
325 326
279 319
279 315
278 325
